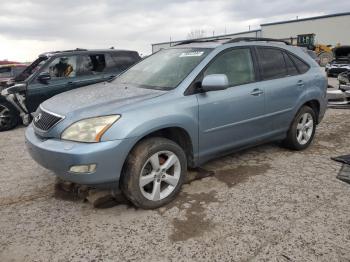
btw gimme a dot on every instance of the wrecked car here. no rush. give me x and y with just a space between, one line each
8 72
179 108
341 62
344 78
56 72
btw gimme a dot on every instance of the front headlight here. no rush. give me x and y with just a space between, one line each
89 130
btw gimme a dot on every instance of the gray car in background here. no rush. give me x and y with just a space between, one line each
179 108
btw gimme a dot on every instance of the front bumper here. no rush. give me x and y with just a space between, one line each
59 155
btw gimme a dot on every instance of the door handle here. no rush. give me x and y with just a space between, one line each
300 83
70 83
257 92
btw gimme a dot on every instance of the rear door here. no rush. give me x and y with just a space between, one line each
235 116
283 86
63 72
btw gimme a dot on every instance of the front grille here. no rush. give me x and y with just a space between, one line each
45 120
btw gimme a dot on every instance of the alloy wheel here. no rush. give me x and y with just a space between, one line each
305 128
160 175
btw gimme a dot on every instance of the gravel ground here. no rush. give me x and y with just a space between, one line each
262 204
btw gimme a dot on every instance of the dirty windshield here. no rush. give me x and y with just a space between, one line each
164 70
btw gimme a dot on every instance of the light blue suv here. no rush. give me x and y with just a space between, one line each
179 108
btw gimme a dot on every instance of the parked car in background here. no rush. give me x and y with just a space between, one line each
341 63
56 72
8 73
344 78
179 107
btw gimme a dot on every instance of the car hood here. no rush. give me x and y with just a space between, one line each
98 99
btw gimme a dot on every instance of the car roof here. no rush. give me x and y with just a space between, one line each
213 43
83 51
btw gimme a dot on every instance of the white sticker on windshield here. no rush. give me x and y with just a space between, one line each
195 53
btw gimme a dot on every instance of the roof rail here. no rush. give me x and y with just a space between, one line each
200 41
252 39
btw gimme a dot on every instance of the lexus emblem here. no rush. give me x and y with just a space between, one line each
37 117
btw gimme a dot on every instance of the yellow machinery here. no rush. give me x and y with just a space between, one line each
324 52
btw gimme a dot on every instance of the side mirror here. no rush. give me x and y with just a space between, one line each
214 82
44 77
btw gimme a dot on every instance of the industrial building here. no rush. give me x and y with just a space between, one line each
328 29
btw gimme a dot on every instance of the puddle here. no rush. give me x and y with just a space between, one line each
194 223
240 174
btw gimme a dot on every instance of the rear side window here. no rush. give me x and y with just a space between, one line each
236 64
272 63
120 61
301 65
291 68
92 64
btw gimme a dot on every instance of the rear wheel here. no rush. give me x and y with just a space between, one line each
154 173
302 130
9 117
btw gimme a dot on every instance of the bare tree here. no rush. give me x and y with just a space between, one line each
196 33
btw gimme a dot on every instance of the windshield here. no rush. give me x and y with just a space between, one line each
164 70
31 69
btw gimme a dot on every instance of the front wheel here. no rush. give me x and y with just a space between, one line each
9 117
154 172
302 130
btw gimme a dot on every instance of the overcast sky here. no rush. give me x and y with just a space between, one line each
30 27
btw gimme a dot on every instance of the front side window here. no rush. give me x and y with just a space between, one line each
165 69
236 64
272 63
62 67
92 64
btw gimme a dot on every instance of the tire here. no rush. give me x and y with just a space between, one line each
299 135
142 173
9 116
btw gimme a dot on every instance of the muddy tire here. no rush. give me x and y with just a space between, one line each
153 173
9 117
302 130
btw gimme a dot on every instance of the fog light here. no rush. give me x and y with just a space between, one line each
83 168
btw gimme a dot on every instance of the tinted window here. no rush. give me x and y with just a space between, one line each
62 67
236 64
301 65
120 61
272 63
291 68
92 64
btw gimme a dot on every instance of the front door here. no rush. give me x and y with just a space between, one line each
63 77
233 117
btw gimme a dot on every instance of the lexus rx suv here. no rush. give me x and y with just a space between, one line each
179 108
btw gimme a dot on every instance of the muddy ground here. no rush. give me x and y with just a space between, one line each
262 204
